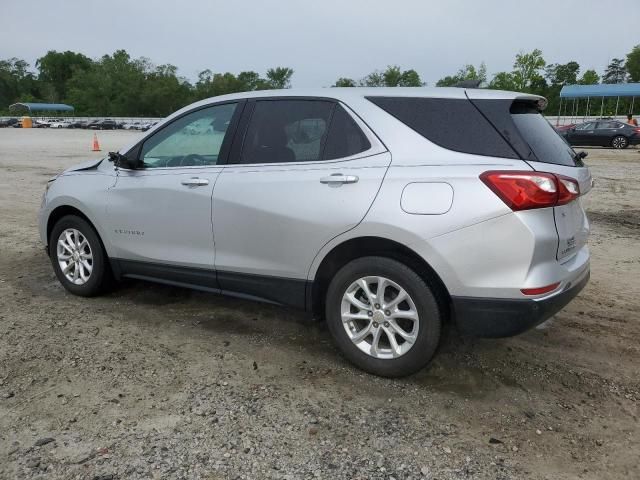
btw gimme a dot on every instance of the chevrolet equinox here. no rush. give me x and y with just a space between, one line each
388 212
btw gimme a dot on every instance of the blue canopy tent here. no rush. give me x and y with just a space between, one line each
41 107
602 91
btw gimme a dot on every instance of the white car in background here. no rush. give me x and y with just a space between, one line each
60 124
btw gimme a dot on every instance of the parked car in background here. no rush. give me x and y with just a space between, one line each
77 123
8 122
602 133
146 126
103 125
60 124
562 128
363 205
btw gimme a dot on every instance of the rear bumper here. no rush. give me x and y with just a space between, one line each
495 317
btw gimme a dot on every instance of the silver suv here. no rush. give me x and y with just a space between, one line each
388 212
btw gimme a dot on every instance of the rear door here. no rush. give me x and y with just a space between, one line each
607 130
304 171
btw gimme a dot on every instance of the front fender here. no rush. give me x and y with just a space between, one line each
88 193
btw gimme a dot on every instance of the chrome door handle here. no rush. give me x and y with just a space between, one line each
195 182
339 178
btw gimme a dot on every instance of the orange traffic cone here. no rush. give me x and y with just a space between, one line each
96 145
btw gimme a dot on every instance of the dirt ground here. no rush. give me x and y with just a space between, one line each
157 382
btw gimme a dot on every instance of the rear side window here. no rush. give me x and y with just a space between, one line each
345 137
608 125
283 131
454 124
286 131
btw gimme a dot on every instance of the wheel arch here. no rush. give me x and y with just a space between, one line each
366 246
64 210
626 137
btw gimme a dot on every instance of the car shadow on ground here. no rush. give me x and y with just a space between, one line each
462 366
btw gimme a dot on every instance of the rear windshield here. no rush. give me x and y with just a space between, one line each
540 136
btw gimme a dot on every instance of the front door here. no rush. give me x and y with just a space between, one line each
160 213
307 172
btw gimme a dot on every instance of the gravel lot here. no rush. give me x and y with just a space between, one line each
156 382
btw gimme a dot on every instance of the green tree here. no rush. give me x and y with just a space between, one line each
17 83
468 72
526 70
56 68
589 77
374 79
164 91
113 86
211 84
393 76
410 78
345 82
560 74
633 64
503 81
279 77
615 72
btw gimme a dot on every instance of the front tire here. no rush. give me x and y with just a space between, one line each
620 142
383 316
78 257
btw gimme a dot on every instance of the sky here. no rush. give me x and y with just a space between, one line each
323 40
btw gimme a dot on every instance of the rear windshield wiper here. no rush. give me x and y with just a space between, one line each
579 156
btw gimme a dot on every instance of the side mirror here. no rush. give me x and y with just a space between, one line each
123 161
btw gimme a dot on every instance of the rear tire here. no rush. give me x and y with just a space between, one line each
620 142
78 257
378 332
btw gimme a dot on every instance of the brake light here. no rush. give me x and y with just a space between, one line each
568 189
527 190
540 290
637 130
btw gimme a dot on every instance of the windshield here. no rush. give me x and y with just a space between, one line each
544 141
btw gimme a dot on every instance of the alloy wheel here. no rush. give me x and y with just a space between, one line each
380 317
74 256
619 142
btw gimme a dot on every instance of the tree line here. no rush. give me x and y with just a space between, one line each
118 85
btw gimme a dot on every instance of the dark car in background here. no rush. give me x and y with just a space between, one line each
8 122
103 125
602 133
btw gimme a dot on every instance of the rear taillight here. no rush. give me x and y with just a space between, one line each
568 189
527 190
637 130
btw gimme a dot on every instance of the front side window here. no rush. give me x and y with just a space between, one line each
193 140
